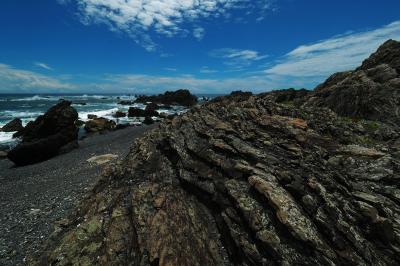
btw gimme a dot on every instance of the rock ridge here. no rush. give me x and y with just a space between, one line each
281 178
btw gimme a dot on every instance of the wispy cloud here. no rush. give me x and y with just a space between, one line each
170 69
164 17
134 83
207 70
17 80
43 65
237 59
198 33
339 53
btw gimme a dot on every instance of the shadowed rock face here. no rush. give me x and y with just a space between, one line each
47 135
179 97
371 91
14 125
249 180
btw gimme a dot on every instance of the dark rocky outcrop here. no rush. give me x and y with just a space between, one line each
126 102
13 125
148 120
137 112
245 181
152 107
44 137
235 95
179 97
91 116
79 123
371 91
119 114
100 124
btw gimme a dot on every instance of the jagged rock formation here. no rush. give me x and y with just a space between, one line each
47 136
13 125
245 180
179 97
372 91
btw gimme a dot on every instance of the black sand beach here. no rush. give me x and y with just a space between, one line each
33 197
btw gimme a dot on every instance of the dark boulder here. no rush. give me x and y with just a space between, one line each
137 112
148 120
91 116
152 107
119 114
43 138
12 126
126 102
99 125
179 97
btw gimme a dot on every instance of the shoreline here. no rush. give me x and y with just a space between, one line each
34 197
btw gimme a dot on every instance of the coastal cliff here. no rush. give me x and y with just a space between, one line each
281 178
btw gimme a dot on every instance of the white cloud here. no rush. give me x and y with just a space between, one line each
237 58
43 65
171 69
137 83
165 17
207 70
338 53
199 33
14 80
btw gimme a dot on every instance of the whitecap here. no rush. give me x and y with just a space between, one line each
8 114
36 98
100 113
6 138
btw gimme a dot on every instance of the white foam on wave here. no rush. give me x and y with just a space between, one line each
100 113
36 98
19 114
86 97
6 138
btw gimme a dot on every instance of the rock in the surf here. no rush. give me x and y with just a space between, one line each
43 138
12 126
99 125
179 97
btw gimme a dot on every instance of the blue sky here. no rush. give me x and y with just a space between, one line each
208 46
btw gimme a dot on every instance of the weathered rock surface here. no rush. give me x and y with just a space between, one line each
179 97
245 180
99 125
371 91
45 137
12 126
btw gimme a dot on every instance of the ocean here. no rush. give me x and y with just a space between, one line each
28 107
